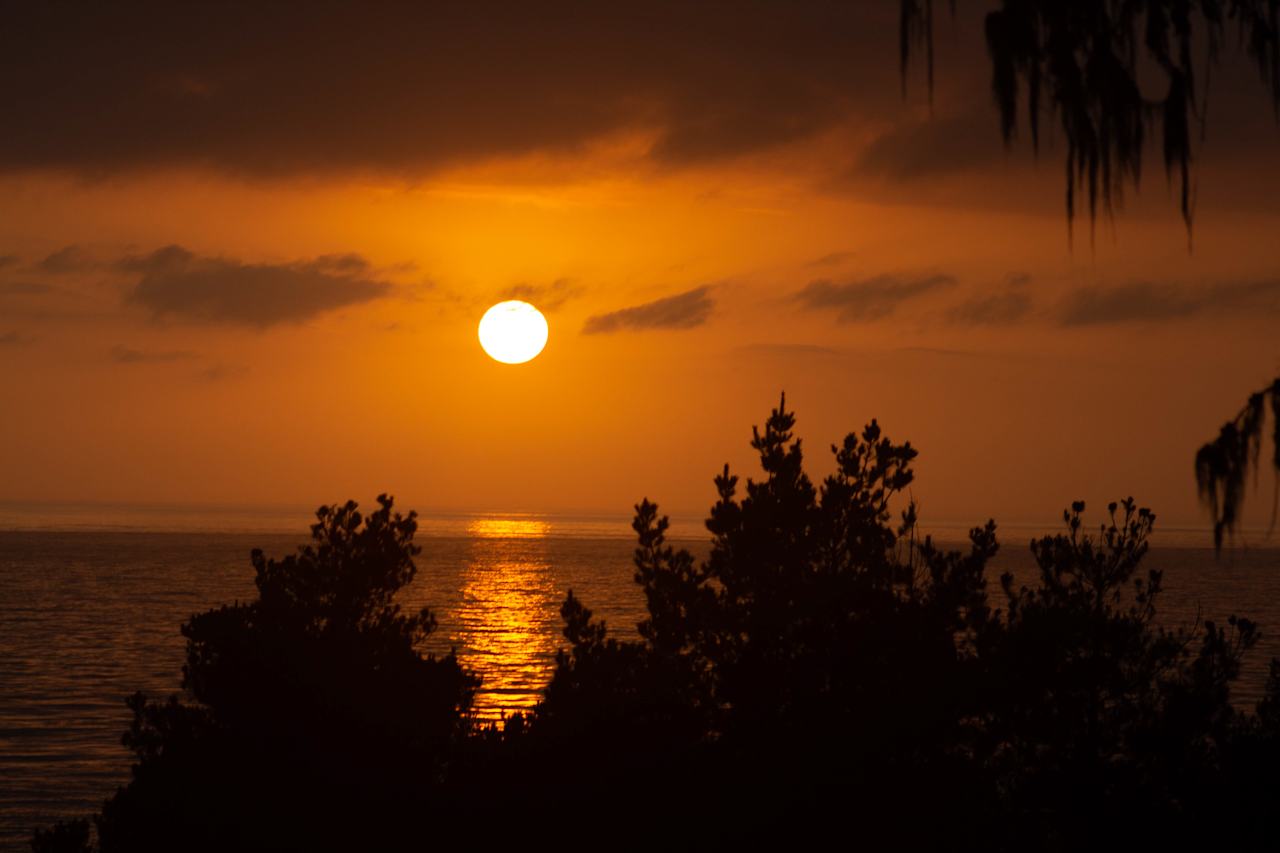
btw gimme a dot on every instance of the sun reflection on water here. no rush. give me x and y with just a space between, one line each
509 614
507 528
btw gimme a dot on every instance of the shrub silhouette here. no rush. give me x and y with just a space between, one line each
1095 717
824 670
817 644
768 635
68 837
824 665
309 720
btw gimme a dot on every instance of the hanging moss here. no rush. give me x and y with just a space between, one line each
1223 465
1082 58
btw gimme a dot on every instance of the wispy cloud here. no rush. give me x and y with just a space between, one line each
128 355
868 299
831 259
177 283
776 350
545 297
23 288
683 311
70 259
1002 308
221 372
1146 301
928 148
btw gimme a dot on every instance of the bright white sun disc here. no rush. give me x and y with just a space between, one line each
513 332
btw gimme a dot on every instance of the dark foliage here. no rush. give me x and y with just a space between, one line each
824 671
69 837
1082 60
309 720
809 664
1223 465
1098 719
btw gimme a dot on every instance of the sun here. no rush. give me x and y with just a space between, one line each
513 332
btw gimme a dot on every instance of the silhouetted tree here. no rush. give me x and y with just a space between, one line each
822 662
818 644
1097 719
310 719
823 670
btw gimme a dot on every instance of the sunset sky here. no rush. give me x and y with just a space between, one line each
243 256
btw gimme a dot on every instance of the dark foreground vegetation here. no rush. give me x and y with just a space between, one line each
823 675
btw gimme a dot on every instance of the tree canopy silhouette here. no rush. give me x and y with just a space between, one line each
309 718
824 659
824 669
1081 61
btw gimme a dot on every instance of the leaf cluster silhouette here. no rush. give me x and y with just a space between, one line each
825 669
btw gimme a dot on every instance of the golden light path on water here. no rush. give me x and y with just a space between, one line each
507 528
508 618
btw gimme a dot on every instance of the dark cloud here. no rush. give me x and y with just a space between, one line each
23 288
997 309
7 261
787 350
1134 302
221 372
928 148
869 299
275 89
682 311
127 355
777 109
176 283
11 338
1146 301
830 260
1142 301
67 260
1001 309
344 264
425 289
545 297
944 352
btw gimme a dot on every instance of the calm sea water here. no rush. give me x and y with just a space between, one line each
90 607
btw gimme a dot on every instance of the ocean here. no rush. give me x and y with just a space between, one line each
91 599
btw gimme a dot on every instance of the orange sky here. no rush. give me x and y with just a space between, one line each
313 338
